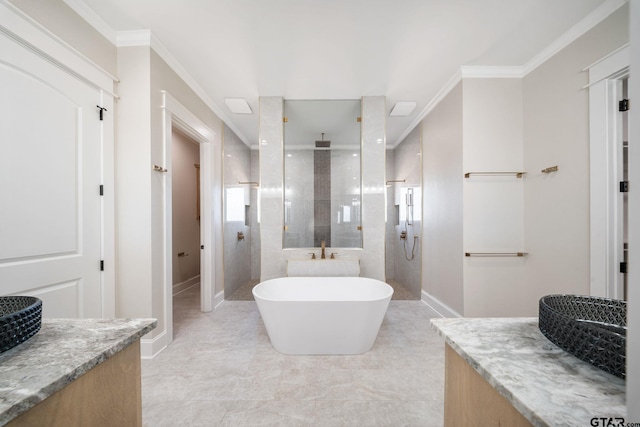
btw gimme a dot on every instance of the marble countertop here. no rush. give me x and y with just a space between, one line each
62 351
547 385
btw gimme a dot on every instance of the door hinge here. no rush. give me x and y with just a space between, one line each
102 110
624 186
101 265
623 267
101 190
623 105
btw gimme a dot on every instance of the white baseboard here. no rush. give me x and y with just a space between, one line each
438 306
150 347
218 299
183 286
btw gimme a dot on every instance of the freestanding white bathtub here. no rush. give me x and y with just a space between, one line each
322 315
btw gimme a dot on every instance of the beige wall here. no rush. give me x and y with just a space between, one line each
556 132
493 206
140 193
61 20
185 154
133 182
442 202
514 124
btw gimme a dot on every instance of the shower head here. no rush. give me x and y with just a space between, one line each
323 143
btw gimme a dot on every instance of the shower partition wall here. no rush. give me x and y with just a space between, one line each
404 235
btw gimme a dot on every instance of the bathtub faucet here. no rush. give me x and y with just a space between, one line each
322 255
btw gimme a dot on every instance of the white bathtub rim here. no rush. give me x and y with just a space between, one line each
388 290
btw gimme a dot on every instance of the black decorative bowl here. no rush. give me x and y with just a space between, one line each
592 329
20 319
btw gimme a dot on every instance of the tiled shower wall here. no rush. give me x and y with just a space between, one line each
372 254
299 199
322 198
253 216
237 253
407 160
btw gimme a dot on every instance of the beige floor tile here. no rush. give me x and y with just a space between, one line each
222 370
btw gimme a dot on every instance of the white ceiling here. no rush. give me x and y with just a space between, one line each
405 50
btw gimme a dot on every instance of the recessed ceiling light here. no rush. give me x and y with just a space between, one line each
238 105
402 108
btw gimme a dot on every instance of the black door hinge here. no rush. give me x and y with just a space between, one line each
101 190
102 110
101 265
624 186
623 267
623 105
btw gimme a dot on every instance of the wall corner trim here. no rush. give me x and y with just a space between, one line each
151 347
438 306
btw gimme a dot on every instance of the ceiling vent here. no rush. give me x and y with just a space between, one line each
402 108
238 105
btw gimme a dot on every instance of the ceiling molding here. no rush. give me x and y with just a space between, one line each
133 38
442 93
86 13
177 67
491 72
471 71
571 35
147 38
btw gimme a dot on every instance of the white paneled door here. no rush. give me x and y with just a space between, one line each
50 172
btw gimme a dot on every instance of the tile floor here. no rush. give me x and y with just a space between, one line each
243 293
222 370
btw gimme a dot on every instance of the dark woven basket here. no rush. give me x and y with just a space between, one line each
592 329
20 319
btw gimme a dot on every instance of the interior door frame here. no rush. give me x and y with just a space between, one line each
606 247
176 115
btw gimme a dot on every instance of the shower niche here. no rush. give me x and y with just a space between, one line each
322 179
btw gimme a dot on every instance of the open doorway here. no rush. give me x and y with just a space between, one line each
179 121
185 217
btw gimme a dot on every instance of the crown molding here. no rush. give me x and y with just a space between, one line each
86 13
147 38
471 71
594 18
442 93
134 38
177 67
491 72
